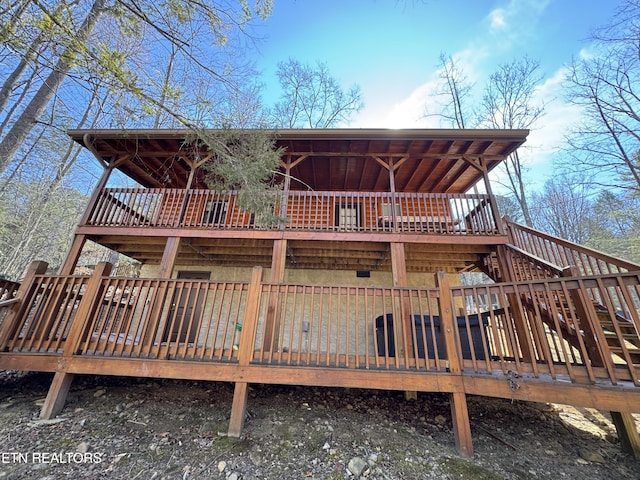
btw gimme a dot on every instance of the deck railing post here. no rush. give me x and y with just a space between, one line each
459 411
61 383
13 318
270 338
245 351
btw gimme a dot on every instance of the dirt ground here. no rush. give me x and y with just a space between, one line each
130 428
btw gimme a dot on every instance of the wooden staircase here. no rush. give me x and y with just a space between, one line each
620 333
626 332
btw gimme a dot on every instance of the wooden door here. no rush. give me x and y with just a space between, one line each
186 310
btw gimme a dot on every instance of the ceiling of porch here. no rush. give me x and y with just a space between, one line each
301 254
424 160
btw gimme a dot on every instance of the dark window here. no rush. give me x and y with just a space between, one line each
348 216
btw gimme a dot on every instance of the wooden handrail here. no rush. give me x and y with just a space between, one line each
351 211
11 301
536 246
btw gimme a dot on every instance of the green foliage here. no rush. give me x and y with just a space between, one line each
615 226
248 162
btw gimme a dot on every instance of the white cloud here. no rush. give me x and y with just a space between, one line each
497 19
516 20
421 107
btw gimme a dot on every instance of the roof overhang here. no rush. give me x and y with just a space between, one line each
424 160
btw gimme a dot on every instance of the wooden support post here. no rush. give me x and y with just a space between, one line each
458 399
245 352
627 433
403 328
461 424
399 276
169 257
69 265
447 323
492 201
13 318
61 383
159 296
89 303
252 311
97 192
239 409
278 262
75 249
57 395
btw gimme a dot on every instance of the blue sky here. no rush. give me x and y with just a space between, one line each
391 48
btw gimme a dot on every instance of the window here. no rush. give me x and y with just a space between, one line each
387 212
215 212
348 216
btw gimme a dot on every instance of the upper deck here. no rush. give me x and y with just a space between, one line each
363 187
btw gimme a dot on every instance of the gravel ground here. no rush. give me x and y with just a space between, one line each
126 428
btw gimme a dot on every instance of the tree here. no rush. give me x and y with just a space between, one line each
509 207
508 102
456 90
564 208
606 84
247 162
615 225
312 98
145 62
168 21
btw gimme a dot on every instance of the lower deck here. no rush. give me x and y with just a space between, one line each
521 340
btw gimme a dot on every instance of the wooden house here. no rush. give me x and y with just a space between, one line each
359 286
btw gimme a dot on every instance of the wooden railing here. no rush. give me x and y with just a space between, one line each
563 253
298 210
44 316
348 327
555 326
8 291
543 327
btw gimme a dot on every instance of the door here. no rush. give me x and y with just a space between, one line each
186 310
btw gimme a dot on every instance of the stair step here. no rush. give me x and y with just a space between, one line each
627 336
634 353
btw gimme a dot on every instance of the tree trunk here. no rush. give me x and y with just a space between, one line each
25 122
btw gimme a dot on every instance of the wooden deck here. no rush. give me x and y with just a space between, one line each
532 340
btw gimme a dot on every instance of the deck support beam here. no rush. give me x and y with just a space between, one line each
627 433
57 395
278 263
169 257
245 352
399 276
458 399
461 424
73 254
238 409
